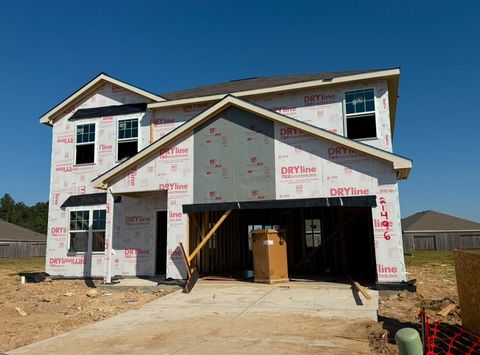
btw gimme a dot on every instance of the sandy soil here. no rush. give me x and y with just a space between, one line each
436 288
57 306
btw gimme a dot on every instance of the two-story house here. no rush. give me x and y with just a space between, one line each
134 173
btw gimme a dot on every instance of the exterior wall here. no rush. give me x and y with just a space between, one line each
68 179
170 172
319 107
442 241
169 177
332 171
22 249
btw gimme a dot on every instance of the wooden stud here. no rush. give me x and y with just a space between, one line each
209 235
359 287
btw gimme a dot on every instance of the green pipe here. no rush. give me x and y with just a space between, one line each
408 342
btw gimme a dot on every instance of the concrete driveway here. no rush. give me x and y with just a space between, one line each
229 317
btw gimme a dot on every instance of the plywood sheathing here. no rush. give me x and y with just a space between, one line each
467 270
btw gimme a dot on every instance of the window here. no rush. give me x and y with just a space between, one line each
85 144
313 233
360 114
127 138
87 231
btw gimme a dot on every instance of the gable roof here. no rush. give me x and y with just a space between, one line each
256 83
12 232
89 87
401 165
428 221
277 84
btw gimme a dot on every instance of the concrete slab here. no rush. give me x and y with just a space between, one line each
233 317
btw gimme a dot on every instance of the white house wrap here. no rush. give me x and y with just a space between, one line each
263 147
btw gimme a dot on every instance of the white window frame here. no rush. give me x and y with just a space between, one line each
346 115
90 230
127 139
94 143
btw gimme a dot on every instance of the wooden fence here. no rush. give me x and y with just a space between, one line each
441 241
22 249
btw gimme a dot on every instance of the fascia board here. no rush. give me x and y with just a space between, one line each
281 88
48 117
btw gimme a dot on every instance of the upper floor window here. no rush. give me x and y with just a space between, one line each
85 144
87 231
360 114
127 144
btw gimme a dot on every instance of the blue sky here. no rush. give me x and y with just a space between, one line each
49 49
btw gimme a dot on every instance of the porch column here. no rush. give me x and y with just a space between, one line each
109 238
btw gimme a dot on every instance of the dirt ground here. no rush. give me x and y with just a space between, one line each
436 288
57 306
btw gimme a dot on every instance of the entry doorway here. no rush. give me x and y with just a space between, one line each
161 243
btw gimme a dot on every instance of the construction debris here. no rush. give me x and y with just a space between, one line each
359 287
21 311
446 310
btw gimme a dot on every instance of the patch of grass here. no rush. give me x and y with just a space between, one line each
10 268
429 258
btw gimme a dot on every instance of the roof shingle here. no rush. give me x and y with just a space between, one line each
12 232
256 83
432 220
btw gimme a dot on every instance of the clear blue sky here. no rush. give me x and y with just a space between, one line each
49 49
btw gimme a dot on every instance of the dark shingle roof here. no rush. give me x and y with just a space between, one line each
432 220
256 83
12 232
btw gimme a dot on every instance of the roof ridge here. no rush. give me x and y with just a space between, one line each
176 93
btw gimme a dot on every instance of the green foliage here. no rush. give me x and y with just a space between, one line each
34 217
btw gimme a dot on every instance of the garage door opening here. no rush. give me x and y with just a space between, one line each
322 242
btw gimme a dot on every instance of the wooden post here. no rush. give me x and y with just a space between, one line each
209 235
152 130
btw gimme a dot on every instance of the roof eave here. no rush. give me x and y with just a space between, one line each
49 117
385 74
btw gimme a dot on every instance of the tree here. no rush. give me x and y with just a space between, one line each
34 218
7 207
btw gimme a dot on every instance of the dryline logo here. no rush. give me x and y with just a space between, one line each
136 220
348 191
58 231
285 110
174 187
383 269
164 120
339 152
170 152
195 107
297 171
289 133
311 100
105 148
137 253
176 216
64 168
65 139
132 177
64 261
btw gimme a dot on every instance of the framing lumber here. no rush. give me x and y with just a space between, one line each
359 288
328 238
208 236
